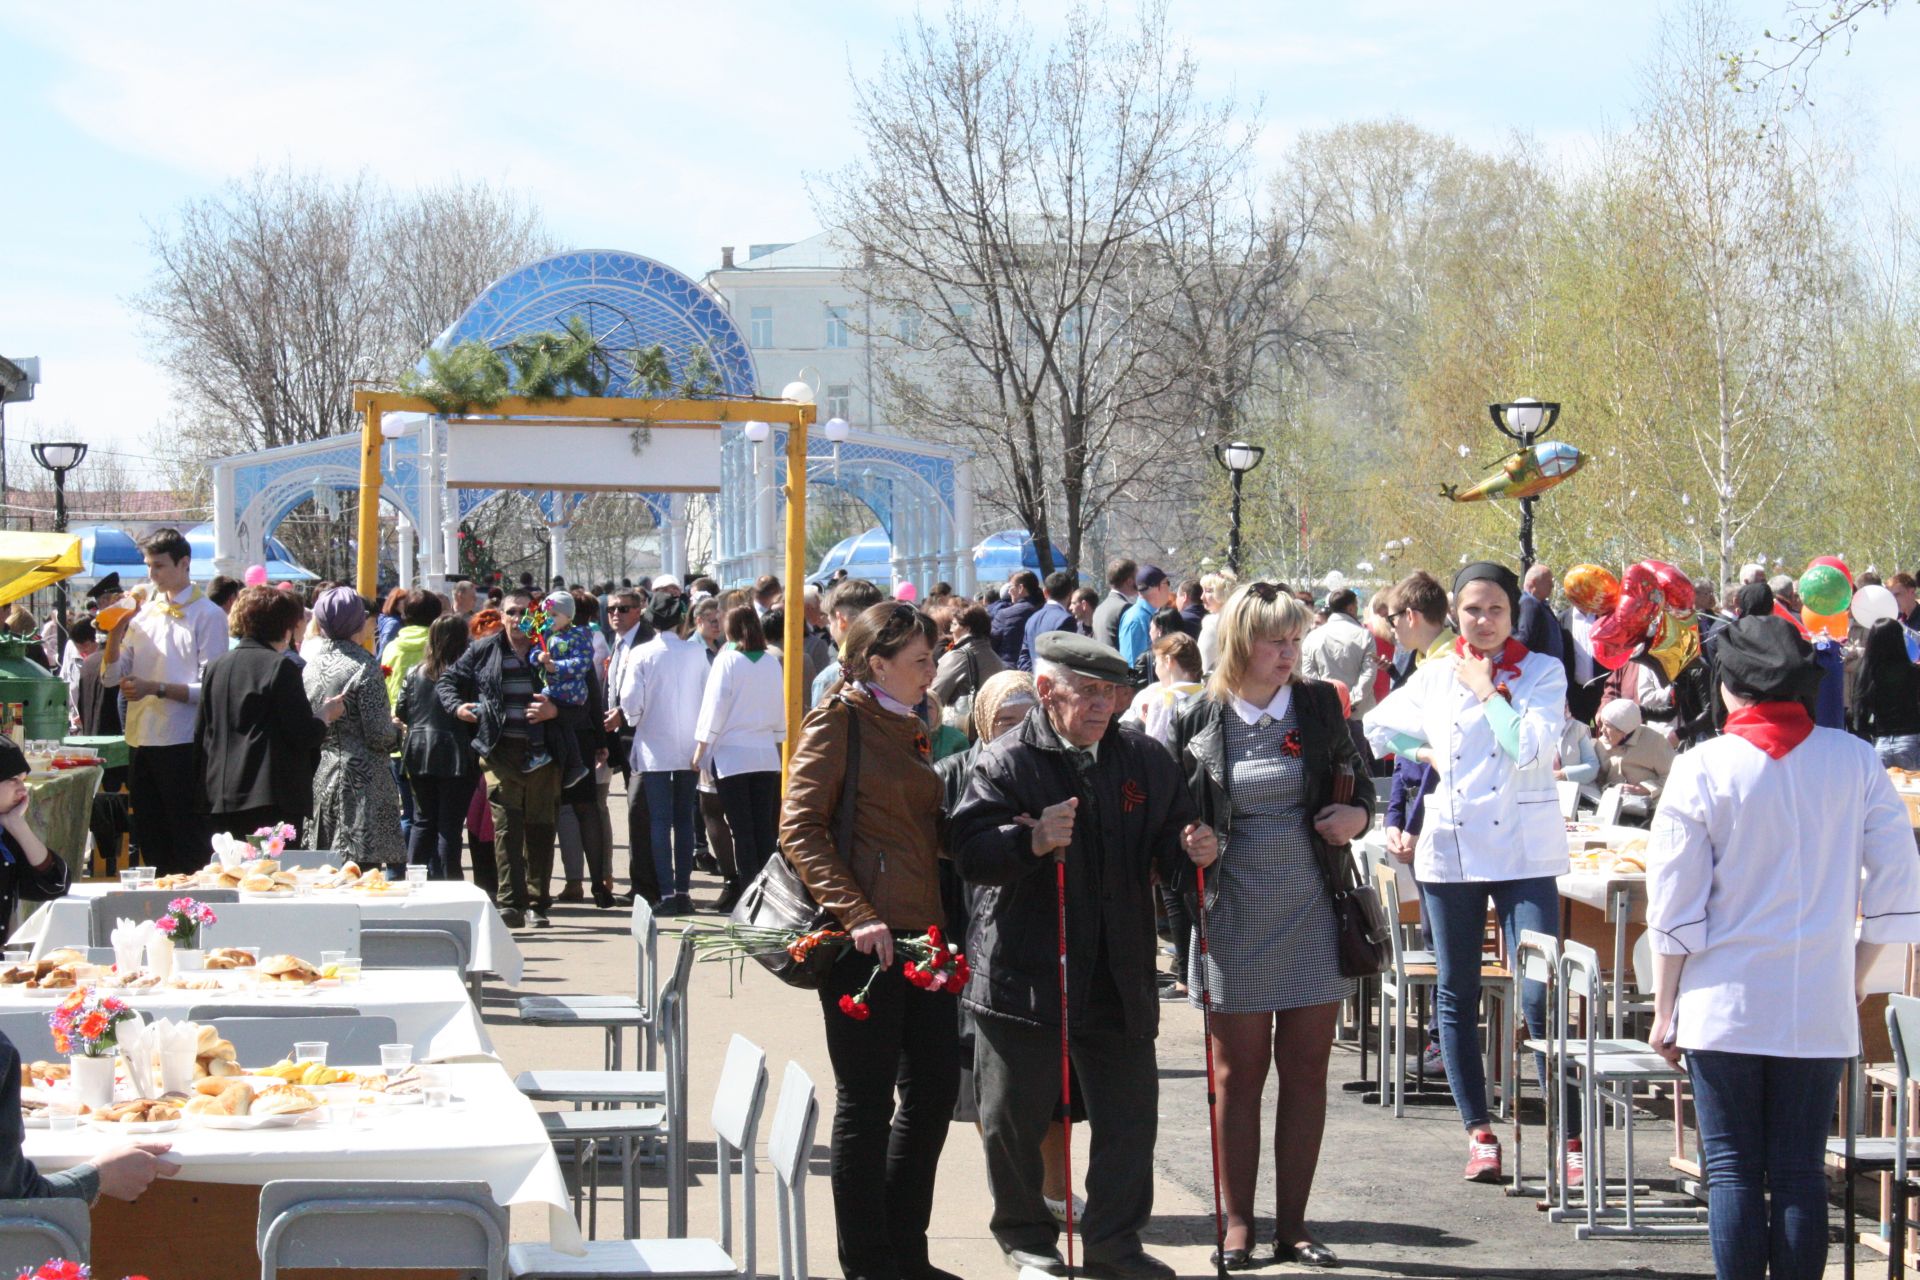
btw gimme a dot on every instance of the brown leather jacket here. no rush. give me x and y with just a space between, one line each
892 872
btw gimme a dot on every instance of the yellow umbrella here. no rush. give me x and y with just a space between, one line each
30 561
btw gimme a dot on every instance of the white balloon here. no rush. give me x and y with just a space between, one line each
1872 603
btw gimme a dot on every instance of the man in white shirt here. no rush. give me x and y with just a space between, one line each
625 611
156 656
660 697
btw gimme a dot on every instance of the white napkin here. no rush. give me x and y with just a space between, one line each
136 1046
129 940
230 850
176 1043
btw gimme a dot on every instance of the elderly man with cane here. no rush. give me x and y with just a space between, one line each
1064 824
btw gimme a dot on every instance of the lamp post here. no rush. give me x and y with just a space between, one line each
1525 421
1238 458
60 459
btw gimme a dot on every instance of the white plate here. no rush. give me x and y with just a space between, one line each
254 895
254 1122
142 1126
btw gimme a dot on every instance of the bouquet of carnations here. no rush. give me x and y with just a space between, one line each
183 920
61 1269
930 962
86 1023
271 842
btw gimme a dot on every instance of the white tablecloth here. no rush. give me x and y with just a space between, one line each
63 923
491 1133
429 1007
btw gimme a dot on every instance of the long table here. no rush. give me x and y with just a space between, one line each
63 922
429 1007
205 1218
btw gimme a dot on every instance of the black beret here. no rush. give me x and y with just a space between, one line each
1766 659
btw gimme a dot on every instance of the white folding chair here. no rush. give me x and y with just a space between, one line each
1569 799
613 1014
736 1118
1607 1072
139 905
1407 971
31 1035
789 1150
309 859
1537 959
614 1088
277 928
409 1226
412 949
355 1041
375 955
34 1231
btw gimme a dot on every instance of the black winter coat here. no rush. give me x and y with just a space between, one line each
1133 806
256 741
1200 741
475 678
438 743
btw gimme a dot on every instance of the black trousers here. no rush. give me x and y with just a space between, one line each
885 1155
1016 1070
751 802
171 836
640 877
439 820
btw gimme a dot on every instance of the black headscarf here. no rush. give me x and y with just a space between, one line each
1766 659
13 761
1499 575
1754 600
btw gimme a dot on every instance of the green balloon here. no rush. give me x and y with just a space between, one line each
1824 589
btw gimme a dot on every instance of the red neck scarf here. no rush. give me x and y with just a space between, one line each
1508 663
1774 727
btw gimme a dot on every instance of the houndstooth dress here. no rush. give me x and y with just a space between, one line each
1270 935
356 807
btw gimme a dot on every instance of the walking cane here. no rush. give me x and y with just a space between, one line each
1213 1129
1066 1062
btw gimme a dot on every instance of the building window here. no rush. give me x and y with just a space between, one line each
907 329
760 327
836 326
839 399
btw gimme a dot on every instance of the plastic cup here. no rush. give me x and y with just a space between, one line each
395 1059
148 875
416 875
438 1096
305 1051
130 878
330 963
349 970
62 1121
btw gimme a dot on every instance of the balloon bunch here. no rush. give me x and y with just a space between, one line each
1826 592
1648 610
539 624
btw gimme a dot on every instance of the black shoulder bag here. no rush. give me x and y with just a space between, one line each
1360 921
778 898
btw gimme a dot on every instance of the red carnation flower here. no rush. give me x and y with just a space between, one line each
855 1009
933 937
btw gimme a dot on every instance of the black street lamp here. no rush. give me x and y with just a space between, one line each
59 459
1238 458
1524 421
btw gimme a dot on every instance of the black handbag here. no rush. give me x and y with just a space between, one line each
779 899
1360 921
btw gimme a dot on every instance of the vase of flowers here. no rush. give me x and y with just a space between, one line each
179 929
271 842
86 1027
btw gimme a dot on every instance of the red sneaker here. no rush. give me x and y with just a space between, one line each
1483 1157
1575 1166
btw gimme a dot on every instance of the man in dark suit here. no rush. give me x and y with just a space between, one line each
1120 595
1536 627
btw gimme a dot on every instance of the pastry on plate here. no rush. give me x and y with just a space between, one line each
288 969
284 1100
228 958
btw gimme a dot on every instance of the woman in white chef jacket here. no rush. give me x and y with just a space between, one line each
1755 894
1488 718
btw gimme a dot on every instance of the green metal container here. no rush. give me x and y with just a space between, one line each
42 696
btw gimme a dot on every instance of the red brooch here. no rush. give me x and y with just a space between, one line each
1131 796
1290 745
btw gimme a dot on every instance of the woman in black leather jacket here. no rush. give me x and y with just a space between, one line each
437 756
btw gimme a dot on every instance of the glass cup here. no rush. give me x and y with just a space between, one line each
305 1051
395 1059
416 875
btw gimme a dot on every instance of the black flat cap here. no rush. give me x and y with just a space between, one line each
664 611
1765 658
1083 656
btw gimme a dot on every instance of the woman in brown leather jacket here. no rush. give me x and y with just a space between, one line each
886 881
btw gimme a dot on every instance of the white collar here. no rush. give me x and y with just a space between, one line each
1275 710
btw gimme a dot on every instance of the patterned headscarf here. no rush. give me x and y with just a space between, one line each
340 613
1001 689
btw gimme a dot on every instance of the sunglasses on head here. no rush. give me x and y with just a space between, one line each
1265 592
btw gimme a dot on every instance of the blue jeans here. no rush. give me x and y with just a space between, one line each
1763 1128
670 801
1457 914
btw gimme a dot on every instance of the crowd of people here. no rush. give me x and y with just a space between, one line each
1177 759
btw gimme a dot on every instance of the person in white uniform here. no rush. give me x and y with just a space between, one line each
1488 718
1781 861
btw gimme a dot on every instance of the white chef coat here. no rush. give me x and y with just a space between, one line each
1754 873
159 646
1491 816
743 714
660 696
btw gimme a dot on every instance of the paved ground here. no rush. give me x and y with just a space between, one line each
1389 1197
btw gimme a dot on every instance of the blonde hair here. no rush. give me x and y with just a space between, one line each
1246 619
1219 581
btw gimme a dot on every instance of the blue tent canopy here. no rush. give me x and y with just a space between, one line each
864 555
1008 551
106 549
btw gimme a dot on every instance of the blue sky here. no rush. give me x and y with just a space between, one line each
673 129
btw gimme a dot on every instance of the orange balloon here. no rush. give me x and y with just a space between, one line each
1594 589
1827 624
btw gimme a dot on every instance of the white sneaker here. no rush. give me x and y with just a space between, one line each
1058 1208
